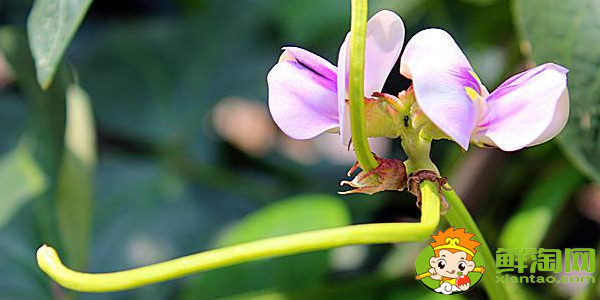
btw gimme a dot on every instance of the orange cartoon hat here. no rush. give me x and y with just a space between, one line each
454 241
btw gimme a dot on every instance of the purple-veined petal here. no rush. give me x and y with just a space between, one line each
529 108
310 61
384 40
303 94
440 73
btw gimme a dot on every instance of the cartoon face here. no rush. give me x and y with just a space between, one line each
449 264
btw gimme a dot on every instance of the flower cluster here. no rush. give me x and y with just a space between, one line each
308 95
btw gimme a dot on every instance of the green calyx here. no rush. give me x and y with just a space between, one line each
393 117
385 115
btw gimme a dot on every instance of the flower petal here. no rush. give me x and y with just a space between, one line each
559 120
303 94
440 73
342 86
529 108
311 61
384 40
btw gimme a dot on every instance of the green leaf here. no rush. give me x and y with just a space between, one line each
298 214
21 179
51 26
75 187
541 206
567 32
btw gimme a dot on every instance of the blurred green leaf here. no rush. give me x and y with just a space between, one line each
21 179
567 32
74 196
45 121
302 24
293 215
51 26
46 109
290 273
421 294
369 287
541 206
480 2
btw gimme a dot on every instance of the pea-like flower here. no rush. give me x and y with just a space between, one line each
527 109
307 94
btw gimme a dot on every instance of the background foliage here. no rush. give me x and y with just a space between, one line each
151 140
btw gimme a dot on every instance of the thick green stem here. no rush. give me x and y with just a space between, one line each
417 150
51 264
458 216
356 85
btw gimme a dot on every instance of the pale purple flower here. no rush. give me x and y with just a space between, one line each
307 94
527 109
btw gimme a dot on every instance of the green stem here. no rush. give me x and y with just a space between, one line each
358 30
417 150
51 264
458 216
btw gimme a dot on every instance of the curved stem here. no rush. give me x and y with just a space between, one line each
458 215
51 264
358 30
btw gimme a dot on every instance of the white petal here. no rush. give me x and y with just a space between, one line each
529 108
559 120
342 85
302 94
440 73
384 39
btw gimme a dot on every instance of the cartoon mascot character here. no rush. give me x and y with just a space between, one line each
454 251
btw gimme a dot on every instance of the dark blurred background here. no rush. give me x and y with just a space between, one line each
188 158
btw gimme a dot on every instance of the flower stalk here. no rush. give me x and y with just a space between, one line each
51 264
358 28
416 136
